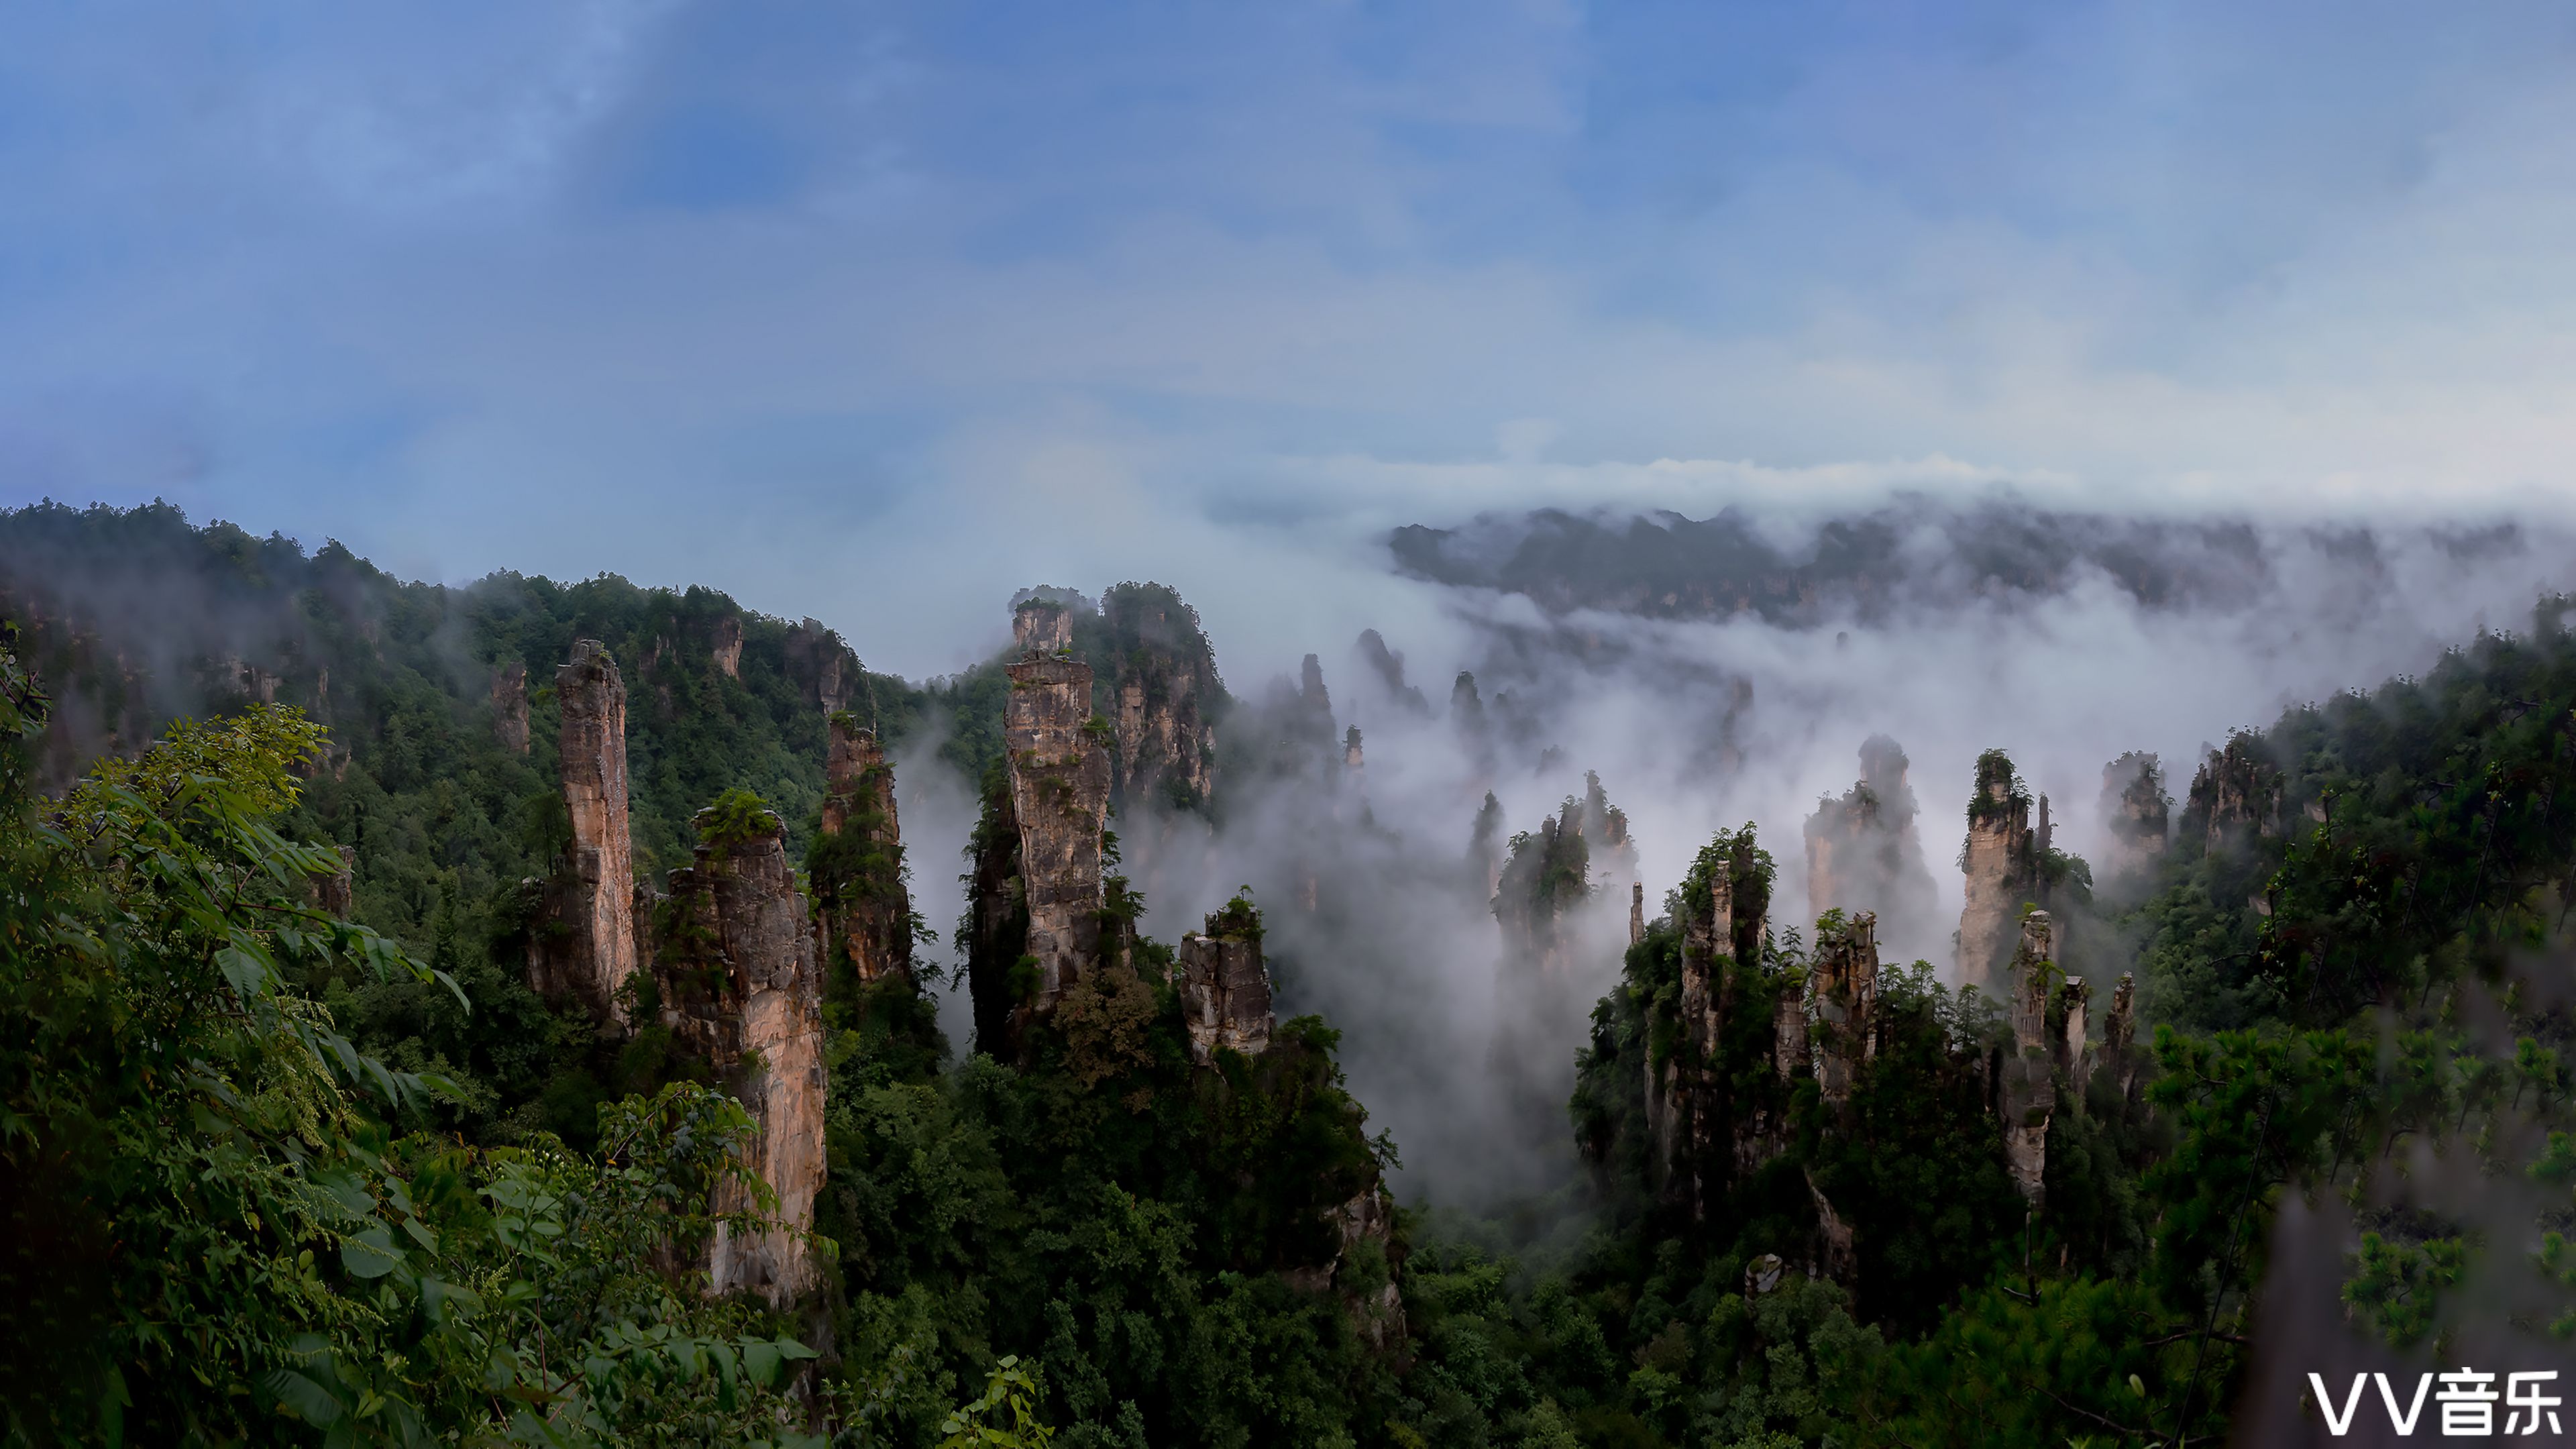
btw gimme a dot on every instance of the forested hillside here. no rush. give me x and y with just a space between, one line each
307 1141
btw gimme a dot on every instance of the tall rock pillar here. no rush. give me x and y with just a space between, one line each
1846 985
594 888
1225 987
1059 777
856 866
2134 810
740 988
510 706
2030 1076
2002 869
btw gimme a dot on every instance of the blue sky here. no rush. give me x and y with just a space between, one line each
873 311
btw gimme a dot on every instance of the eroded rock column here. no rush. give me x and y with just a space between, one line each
1059 774
740 988
2134 810
593 953
857 866
2002 870
1225 987
2029 1076
510 706
1846 987
1864 852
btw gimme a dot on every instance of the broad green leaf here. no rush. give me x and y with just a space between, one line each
370 1254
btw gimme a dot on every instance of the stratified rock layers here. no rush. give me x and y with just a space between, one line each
591 950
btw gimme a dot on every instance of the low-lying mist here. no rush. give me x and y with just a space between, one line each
1381 909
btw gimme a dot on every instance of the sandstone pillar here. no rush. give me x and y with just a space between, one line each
740 988
1225 987
594 888
1846 980
856 866
510 706
1059 776
2029 1075
2002 869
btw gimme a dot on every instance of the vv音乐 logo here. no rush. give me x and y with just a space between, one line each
2468 1400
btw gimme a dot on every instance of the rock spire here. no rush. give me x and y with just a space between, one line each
2029 1075
593 892
2002 869
1059 788
740 989
861 904
1166 692
1225 987
510 706
1864 852
1846 993
2235 794
2134 810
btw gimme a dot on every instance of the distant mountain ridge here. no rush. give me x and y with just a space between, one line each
1910 550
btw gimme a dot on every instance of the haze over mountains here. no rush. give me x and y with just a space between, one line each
1706 672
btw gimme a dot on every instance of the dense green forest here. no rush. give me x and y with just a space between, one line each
280 1172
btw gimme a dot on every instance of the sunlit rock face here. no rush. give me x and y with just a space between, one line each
740 988
1059 783
2002 870
589 952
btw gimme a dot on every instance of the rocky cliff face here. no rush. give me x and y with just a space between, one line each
856 865
591 949
1604 828
2002 864
1059 787
1703 1133
2236 794
1378 1314
1225 987
510 706
1864 852
1845 988
740 988
725 644
2134 810
2119 1037
822 665
2029 1076
1165 685
1546 877
1041 626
